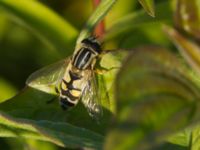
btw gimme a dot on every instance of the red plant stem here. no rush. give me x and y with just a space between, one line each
100 28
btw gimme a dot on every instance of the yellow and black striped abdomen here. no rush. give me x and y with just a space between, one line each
69 94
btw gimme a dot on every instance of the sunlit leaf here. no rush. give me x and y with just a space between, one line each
33 104
195 138
62 134
7 90
112 62
188 48
36 144
182 138
53 30
188 138
187 16
148 5
155 98
138 18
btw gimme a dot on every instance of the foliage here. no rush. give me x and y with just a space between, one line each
149 95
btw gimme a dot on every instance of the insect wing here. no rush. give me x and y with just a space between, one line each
47 78
91 97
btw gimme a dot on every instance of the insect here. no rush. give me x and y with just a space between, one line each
73 78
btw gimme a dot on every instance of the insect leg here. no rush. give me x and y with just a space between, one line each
56 89
102 70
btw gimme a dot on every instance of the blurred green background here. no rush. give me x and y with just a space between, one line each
22 52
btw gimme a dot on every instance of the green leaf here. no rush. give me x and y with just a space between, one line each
33 104
188 138
52 29
182 138
187 17
155 98
95 18
7 90
37 144
62 134
195 138
64 128
148 5
112 63
139 18
188 48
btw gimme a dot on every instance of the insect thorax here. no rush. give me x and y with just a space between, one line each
87 53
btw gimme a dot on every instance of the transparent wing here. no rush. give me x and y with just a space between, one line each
47 78
91 97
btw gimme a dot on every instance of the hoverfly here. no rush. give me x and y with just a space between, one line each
73 78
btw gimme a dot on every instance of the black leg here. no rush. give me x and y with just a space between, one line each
56 89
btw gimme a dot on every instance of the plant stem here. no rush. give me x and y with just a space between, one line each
100 28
